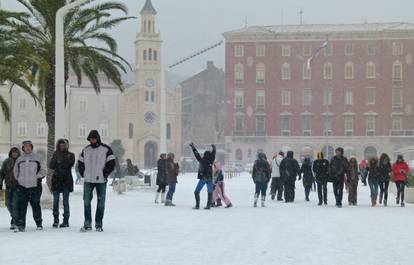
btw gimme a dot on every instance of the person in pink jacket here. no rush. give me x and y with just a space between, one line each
218 192
400 171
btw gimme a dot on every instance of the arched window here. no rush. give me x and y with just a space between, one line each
155 55
131 131
145 26
150 54
168 131
145 55
370 152
239 155
149 26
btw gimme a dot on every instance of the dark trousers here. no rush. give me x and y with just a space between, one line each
171 191
26 196
11 203
353 192
383 185
307 191
322 191
260 188
276 188
66 211
161 188
338 188
400 190
289 191
87 200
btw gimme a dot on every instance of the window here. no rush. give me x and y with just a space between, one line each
396 98
147 96
349 97
327 71
397 71
152 96
372 50
260 50
371 72
349 126
239 74
238 51
238 99
285 50
22 102
370 120
41 129
239 124
349 49
145 26
260 99
260 124
82 130
104 130
168 131
396 123
349 71
328 124
131 130
328 50
145 55
104 104
286 71
306 127
327 97
307 50
83 105
307 72
397 49
22 129
155 55
149 26
307 97
285 97
285 125
260 73
150 54
371 96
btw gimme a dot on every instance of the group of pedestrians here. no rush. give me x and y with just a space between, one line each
167 175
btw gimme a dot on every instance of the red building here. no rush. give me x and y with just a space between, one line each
358 92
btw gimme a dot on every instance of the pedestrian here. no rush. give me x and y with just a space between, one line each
62 163
173 169
400 172
29 170
321 170
205 175
261 176
289 170
161 178
363 169
96 163
384 178
308 179
132 170
373 179
339 167
219 193
276 185
352 180
6 174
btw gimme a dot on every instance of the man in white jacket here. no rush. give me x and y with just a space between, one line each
277 182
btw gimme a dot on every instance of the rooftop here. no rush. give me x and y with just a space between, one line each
148 8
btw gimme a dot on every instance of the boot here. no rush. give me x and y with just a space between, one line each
209 198
55 221
219 204
12 225
229 205
273 197
197 199
65 222
380 197
163 197
157 196
385 203
256 197
263 201
373 202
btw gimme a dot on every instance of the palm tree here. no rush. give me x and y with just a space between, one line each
89 49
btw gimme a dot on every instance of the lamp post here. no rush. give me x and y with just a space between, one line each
60 124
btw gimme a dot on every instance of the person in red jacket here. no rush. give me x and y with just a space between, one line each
400 170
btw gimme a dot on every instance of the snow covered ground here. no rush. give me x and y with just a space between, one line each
139 232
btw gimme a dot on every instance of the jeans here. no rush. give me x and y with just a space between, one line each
171 191
26 196
400 188
66 211
202 182
307 191
261 188
11 203
383 185
373 186
322 191
338 188
87 199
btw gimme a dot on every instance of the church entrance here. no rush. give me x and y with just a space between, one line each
150 155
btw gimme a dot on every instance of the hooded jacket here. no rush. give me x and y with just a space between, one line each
173 169
6 172
276 166
321 168
162 171
62 164
339 167
400 171
205 168
289 168
28 169
385 169
97 161
261 169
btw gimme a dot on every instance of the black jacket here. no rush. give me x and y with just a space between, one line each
306 170
321 169
289 168
339 167
62 164
162 172
261 170
205 163
385 171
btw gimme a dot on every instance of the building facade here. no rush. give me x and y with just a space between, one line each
355 93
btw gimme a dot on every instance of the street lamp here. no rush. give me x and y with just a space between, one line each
60 125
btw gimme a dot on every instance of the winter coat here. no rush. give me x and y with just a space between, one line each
261 170
6 172
289 168
173 169
321 169
385 171
353 175
276 166
306 170
339 167
161 172
28 170
96 162
132 170
62 164
400 171
205 163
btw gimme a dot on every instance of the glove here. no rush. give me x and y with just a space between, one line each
192 145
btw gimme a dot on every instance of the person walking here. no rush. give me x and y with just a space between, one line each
308 179
400 171
62 163
384 178
173 169
364 172
6 174
289 170
339 167
161 178
96 163
29 170
261 176
219 193
277 184
321 170
373 179
353 179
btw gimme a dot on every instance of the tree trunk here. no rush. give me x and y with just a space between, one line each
50 119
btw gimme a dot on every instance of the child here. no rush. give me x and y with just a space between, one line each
218 192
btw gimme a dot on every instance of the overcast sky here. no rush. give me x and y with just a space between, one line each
189 25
